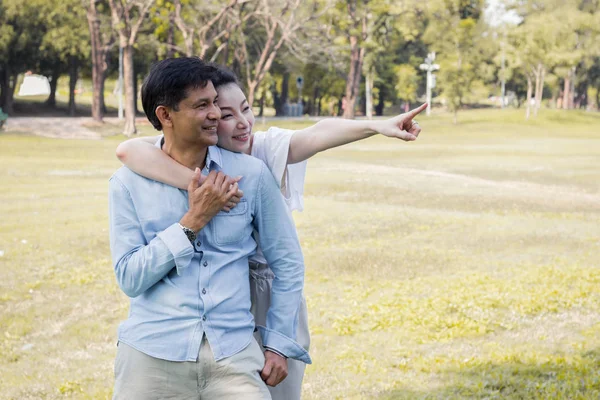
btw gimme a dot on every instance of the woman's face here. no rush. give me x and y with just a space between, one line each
237 119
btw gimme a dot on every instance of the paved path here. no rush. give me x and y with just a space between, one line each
53 127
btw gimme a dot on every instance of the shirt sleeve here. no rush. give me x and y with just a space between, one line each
281 248
272 147
139 265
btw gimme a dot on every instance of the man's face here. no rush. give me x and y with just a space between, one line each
198 116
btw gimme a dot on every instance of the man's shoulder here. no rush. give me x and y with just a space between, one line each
126 177
251 165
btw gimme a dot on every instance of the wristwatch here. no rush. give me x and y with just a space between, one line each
191 235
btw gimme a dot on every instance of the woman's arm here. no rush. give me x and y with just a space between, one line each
143 157
333 132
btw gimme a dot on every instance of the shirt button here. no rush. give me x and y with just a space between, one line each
204 318
203 291
205 263
199 243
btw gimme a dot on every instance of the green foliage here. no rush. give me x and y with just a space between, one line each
407 82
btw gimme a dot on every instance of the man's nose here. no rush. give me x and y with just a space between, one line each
214 112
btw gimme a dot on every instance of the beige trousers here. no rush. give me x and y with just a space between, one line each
141 377
261 281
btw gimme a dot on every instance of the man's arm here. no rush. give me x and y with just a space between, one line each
280 246
139 265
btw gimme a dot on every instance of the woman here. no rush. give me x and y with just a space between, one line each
285 153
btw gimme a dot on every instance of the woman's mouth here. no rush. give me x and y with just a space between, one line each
242 138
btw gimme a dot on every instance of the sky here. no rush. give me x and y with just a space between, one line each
496 13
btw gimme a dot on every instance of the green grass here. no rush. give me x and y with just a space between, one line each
464 265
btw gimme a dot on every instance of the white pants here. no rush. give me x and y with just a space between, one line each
141 377
261 281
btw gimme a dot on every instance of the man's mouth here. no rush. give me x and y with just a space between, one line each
212 128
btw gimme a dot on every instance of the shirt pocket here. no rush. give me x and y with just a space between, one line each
233 226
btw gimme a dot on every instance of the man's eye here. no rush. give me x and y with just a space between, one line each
225 116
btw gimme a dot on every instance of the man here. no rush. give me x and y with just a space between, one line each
184 263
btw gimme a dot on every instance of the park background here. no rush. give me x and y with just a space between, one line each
463 265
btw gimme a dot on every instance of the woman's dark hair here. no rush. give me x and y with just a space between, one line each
169 81
224 76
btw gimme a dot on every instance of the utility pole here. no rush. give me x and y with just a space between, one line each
429 66
503 79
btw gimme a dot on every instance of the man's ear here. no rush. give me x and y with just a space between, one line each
164 116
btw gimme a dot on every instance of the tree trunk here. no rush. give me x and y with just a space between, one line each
283 98
250 92
99 64
261 110
528 98
51 101
314 100
380 104
369 95
572 89
8 90
539 88
135 91
171 37
566 91
128 79
353 79
320 99
73 66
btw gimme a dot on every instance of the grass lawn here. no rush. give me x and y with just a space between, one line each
464 265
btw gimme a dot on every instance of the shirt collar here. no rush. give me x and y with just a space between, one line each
213 155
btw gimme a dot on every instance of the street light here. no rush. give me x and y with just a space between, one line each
429 66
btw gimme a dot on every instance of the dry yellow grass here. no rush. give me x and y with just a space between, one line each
464 265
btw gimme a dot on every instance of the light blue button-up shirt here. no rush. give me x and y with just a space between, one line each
181 291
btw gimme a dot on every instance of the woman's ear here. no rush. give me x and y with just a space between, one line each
164 116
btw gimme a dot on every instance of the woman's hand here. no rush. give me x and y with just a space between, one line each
401 126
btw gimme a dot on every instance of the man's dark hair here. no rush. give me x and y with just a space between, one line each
224 76
169 81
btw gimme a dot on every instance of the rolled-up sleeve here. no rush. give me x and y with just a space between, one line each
280 246
140 264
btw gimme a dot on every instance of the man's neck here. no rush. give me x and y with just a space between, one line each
191 155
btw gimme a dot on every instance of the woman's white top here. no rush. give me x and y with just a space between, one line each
272 147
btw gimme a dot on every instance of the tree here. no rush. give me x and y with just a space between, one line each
407 83
65 44
264 29
101 42
21 34
454 32
127 19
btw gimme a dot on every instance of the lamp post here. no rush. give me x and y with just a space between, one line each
429 66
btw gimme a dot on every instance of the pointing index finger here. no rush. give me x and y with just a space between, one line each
413 113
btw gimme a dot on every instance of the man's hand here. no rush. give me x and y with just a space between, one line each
217 192
401 126
275 369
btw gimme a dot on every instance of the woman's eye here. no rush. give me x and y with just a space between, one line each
225 116
246 108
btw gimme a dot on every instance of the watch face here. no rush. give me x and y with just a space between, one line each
190 234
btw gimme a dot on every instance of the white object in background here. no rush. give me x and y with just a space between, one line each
34 85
